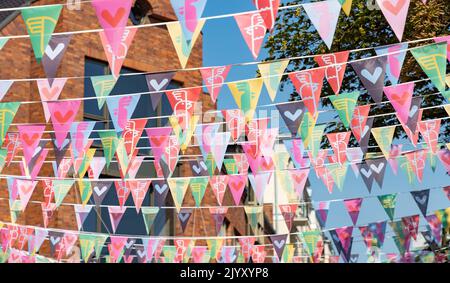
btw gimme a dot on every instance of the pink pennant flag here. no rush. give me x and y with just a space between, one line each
259 184
413 136
359 120
335 70
50 93
400 97
430 133
30 136
326 177
123 191
299 178
247 244
113 17
339 142
268 10
182 246
198 253
116 247
115 215
259 253
38 162
353 207
138 190
308 84
444 157
396 151
159 140
235 120
241 163
25 189
417 160
395 12
253 29
214 79
134 166
318 161
267 142
62 114
219 186
237 183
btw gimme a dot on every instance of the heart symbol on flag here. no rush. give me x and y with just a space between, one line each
129 244
26 189
298 178
400 98
421 200
372 77
55 240
236 185
113 20
366 173
413 111
30 140
394 9
196 169
158 140
183 216
53 53
50 94
63 118
378 168
141 253
279 244
160 189
293 117
99 191
158 86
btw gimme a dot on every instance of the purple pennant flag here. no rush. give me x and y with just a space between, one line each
365 137
199 168
218 216
292 114
161 189
158 82
372 72
414 112
37 154
184 215
322 212
129 247
377 167
141 254
354 258
59 152
336 241
55 239
367 175
421 198
99 190
54 54
279 242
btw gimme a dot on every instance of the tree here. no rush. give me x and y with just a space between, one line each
294 35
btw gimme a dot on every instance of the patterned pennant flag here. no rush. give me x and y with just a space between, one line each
371 72
120 109
183 45
271 73
383 136
123 191
338 173
218 185
188 15
253 29
60 189
246 95
100 190
198 187
96 166
40 23
345 106
345 238
53 55
254 216
138 190
50 91
214 79
417 161
25 189
414 117
335 70
149 214
339 142
288 211
358 122
324 15
388 202
432 59
237 184
268 10
115 215
259 183
205 136
198 167
219 147
315 139
81 213
184 215
278 242
292 114
62 114
183 103
309 84
84 186
159 140
430 133
322 212
109 142
7 112
395 13
444 39
377 167
161 189
178 187
299 178
235 120
29 136
400 97
310 239
103 85
396 55
157 83
79 134
353 207
218 215
411 225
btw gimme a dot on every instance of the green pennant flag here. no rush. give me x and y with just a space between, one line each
110 141
7 112
3 42
214 246
254 216
442 215
433 160
306 127
169 253
103 85
210 164
400 236
388 203
84 186
4 255
345 104
40 23
315 139
230 166
149 215
198 188
400 243
61 188
433 60
84 166
338 172
87 244
310 239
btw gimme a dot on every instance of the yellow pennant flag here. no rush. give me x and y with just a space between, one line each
346 6
383 136
271 74
182 46
189 132
447 109
246 94
307 126
178 188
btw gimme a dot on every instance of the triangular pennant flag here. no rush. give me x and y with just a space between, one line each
268 10
322 212
324 15
218 215
116 58
355 156
411 225
271 73
183 45
81 213
214 79
298 179
161 190
345 106
417 161
432 59
235 122
259 183
310 239
383 136
371 72
438 40
109 142
400 97
218 185
84 186
100 190
123 191
346 6
254 216
288 211
335 70
115 215
237 184
345 238
292 114
79 134
138 190
149 215
198 187
308 84
246 95
25 189
430 133
184 215
253 29
296 150
97 164
353 207
54 53
29 136
40 23
278 242
62 114
60 189
444 157
364 141
157 83
178 187
306 127
183 103
339 142
219 147
338 173
359 120
396 55
395 13
378 168
315 139
388 202
121 109
414 117
188 15
4 87
7 112
103 85
421 198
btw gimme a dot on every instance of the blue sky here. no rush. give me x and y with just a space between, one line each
223 44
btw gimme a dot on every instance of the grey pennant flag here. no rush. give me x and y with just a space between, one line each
53 55
158 82
371 72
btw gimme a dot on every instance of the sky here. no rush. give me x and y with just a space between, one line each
223 44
